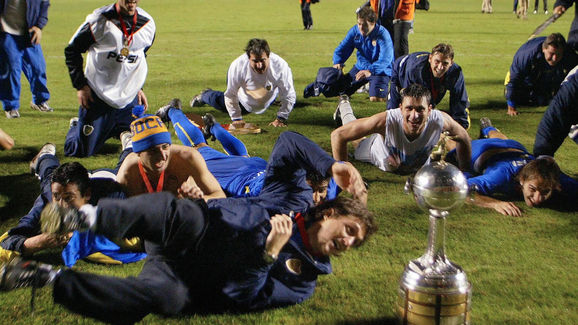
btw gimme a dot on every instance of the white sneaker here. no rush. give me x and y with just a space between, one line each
535 12
12 114
126 139
545 12
73 122
47 149
43 107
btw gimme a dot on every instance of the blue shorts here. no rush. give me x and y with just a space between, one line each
378 86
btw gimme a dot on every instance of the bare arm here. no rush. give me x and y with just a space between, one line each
6 141
353 131
462 138
505 208
203 177
349 179
123 177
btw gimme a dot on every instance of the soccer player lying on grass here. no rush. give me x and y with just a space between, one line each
232 254
398 140
242 176
503 167
156 165
68 185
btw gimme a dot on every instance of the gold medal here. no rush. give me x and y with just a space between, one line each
127 38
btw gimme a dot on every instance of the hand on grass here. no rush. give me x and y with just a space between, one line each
507 208
512 111
276 123
238 124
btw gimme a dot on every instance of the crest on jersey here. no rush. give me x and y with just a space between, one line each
294 265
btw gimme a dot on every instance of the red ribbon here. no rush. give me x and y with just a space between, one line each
148 183
303 232
122 24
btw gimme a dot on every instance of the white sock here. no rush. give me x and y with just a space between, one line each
346 112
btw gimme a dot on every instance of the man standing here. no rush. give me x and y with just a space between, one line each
538 68
254 81
374 56
399 140
116 38
21 24
436 71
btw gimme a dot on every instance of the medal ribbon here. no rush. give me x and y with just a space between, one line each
434 91
303 232
148 183
127 37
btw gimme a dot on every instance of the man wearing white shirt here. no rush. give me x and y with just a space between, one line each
254 81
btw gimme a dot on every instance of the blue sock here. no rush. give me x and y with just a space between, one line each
187 132
487 130
231 144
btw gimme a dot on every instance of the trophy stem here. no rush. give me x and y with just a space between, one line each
436 239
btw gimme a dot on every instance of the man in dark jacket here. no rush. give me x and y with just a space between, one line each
436 71
559 119
538 68
228 254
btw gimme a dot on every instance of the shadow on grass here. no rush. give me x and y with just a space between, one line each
20 191
382 321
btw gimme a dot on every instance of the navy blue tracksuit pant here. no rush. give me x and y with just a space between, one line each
171 228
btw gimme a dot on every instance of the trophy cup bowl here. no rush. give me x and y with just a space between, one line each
439 186
432 289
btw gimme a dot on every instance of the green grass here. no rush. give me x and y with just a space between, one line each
522 269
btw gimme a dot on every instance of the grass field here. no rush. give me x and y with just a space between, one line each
523 270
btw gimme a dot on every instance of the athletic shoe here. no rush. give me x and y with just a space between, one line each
485 122
20 274
126 139
545 12
163 112
535 12
55 219
47 149
73 122
12 114
43 107
209 120
337 115
197 101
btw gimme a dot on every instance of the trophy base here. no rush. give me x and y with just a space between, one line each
421 308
